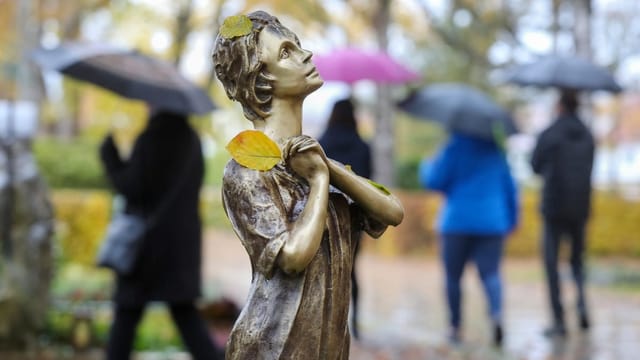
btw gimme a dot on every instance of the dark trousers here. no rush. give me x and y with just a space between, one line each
486 253
554 232
191 326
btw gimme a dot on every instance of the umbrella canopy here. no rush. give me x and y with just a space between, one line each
127 73
564 72
460 108
350 65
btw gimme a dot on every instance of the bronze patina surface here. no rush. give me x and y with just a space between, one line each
298 220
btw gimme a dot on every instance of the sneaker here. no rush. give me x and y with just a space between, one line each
498 335
555 331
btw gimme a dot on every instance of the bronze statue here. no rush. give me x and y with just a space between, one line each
298 220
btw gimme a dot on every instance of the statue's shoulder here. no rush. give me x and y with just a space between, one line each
238 180
234 172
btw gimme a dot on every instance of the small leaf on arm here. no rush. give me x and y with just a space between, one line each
379 187
254 150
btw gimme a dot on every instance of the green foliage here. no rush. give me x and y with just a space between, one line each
157 332
406 174
76 283
69 164
81 219
415 139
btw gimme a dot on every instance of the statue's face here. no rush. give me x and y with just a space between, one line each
291 67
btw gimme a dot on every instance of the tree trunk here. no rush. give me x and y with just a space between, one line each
182 30
26 262
383 140
582 10
555 24
215 26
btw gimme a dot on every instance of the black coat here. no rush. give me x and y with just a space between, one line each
342 143
563 156
169 266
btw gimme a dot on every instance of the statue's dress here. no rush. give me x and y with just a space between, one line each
291 316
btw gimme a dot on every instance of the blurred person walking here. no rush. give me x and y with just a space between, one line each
166 158
480 210
563 157
342 142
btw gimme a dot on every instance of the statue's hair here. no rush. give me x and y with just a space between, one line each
238 66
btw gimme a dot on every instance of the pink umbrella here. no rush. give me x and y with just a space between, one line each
350 65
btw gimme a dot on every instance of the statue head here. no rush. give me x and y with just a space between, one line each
242 62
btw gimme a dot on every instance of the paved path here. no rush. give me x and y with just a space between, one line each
403 312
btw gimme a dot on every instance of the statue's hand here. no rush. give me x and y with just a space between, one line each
305 156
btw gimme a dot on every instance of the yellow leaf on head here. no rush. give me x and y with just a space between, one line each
236 25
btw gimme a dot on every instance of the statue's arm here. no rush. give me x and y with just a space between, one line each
306 231
383 207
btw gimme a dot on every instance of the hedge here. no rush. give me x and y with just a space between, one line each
612 231
72 164
82 217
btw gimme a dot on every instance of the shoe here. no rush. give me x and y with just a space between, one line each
498 335
584 322
455 338
555 331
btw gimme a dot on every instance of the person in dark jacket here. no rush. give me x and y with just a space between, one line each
481 209
342 142
166 158
563 156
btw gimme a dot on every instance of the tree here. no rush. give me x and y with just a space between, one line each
383 140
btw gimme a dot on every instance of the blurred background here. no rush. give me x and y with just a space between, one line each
60 203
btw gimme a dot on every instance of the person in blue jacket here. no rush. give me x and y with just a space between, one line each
481 208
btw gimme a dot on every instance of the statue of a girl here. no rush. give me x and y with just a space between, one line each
299 220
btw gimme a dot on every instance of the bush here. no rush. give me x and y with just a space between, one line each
406 177
612 229
83 215
81 219
69 164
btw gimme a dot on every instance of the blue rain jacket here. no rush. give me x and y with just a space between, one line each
481 195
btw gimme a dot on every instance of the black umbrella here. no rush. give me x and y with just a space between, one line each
128 73
567 72
460 108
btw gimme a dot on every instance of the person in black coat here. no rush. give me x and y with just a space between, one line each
341 142
166 165
563 156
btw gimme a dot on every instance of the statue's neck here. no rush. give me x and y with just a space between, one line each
285 120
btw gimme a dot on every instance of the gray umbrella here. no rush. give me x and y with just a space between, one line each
127 73
567 72
460 108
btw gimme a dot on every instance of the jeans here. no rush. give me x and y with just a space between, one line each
191 326
553 233
486 252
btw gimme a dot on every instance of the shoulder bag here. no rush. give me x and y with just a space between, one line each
123 240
